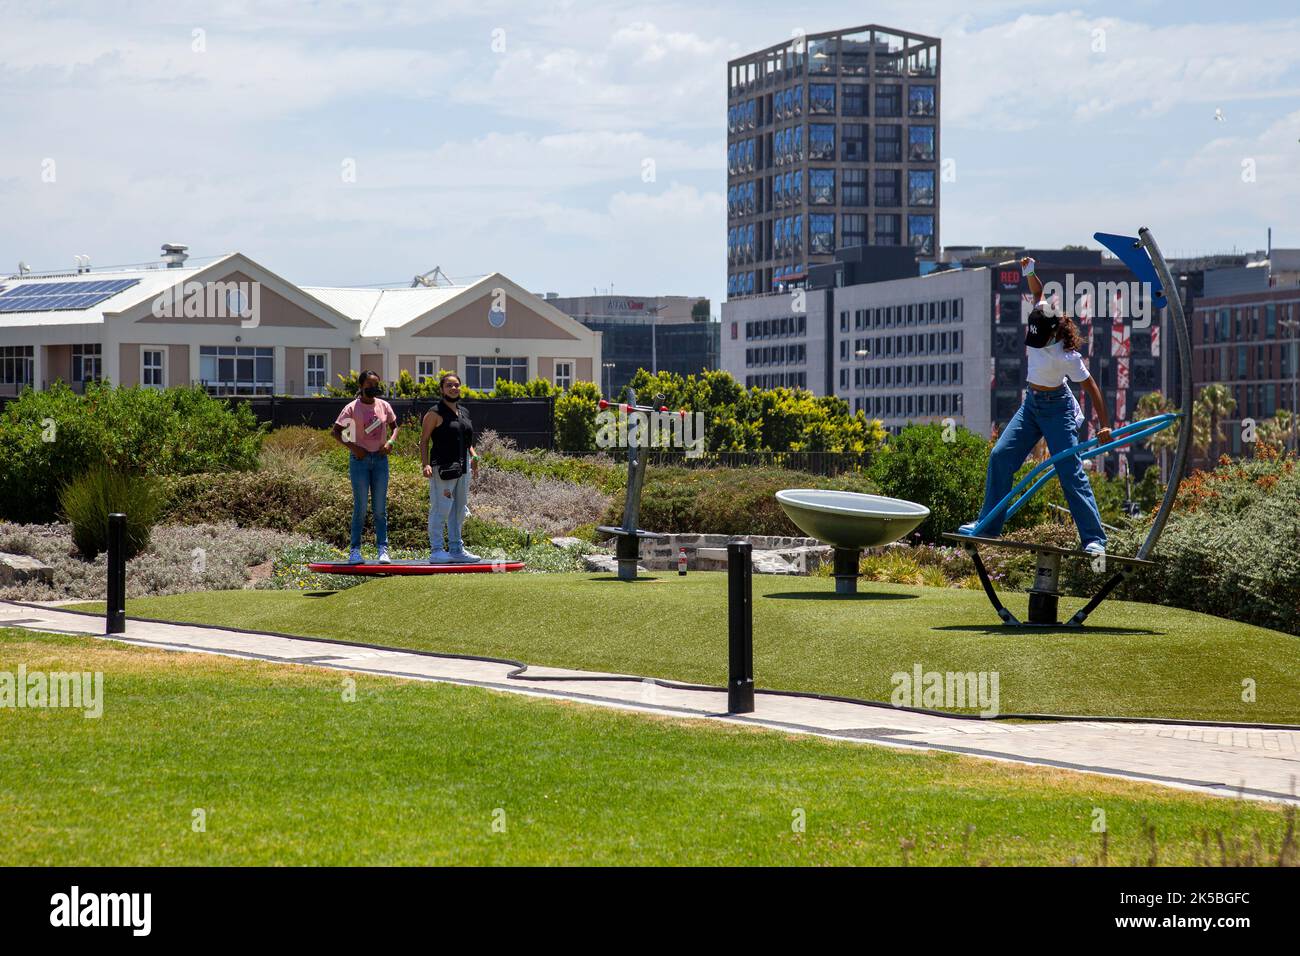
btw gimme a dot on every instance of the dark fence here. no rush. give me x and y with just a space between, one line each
528 421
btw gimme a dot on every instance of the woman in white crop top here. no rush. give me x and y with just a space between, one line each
1051 412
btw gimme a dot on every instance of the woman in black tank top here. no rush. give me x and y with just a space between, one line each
447 451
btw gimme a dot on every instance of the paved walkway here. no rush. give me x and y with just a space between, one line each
1225 761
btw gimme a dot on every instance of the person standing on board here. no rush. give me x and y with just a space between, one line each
447 450
1049 411
363 429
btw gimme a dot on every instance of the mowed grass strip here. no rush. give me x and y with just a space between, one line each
287 771
1135 660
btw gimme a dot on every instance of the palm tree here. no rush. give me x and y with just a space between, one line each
1212 406
1162 442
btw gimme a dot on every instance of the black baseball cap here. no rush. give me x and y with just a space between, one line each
1041 328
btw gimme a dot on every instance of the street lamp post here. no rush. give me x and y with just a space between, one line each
607 369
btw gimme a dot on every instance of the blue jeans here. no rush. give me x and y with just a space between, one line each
369 480
447 511
1055 416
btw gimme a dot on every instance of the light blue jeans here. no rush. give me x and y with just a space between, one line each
447 511
1055 416
369 477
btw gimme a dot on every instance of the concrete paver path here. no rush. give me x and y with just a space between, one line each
1225 761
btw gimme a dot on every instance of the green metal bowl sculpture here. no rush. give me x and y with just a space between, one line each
847 519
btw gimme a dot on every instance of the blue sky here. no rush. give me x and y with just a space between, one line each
489 136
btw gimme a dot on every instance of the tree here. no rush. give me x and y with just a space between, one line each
1212 406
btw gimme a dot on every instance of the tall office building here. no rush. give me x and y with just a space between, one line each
832 142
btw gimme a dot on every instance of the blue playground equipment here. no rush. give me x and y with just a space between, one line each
1143 257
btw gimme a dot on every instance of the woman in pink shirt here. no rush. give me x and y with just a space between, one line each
363 428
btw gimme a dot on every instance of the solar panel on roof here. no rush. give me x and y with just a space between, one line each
61 296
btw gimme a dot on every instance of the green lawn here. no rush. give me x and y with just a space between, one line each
288 772
1134 660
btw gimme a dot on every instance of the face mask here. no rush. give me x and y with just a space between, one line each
370 391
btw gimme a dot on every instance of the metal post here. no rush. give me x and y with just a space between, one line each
740 628
846 570
116 613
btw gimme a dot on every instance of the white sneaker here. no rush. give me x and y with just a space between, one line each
465 557
1094 548
354 556
383 556
441 556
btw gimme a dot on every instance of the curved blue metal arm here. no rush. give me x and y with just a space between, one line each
1089 449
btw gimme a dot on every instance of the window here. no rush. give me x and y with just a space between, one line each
853 230
889 99
887 191
821 187
854 187
318 371
151 368
920 101
853 148
920 232
821 141
563 375
855 100
887 230
16 364
821 98
482 372
822 234
920 144
426 368
237 369
889 144
87 363
920 187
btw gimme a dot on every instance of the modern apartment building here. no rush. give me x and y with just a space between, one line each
832 142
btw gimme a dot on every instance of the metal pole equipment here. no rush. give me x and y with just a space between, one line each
627 547
116 614
740 628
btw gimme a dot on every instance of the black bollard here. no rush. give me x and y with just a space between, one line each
740 628
116 623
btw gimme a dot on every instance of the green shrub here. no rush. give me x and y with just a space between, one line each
723 500
945 476
1231 547
575 418
264 499
87 502
50 438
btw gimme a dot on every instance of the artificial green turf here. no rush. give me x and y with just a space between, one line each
287 771
1133 660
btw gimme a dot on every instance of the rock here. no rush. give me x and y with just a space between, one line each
570 543
604 562
19 568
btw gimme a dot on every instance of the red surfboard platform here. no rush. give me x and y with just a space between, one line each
414 567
